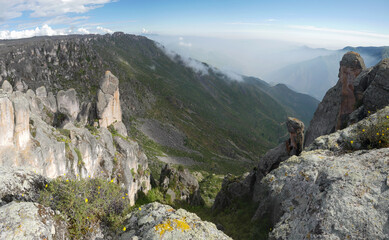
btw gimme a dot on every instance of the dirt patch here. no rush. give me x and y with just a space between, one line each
163 134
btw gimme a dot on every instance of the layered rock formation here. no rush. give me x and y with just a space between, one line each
29 139
158 221
358 93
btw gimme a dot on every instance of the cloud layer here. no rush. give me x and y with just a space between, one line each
46 30
46 8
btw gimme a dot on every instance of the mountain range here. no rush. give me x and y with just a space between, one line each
211 118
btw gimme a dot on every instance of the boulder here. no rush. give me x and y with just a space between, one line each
68 103
7 87
158 221
182 183
27 220
108 101
19 184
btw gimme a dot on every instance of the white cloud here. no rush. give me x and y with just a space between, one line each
46 8
83 31
184 44
271 20
145 31
45 30
104 30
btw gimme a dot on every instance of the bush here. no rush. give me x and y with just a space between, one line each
85 203
373 135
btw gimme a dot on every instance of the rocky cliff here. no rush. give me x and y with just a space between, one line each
51 135
358 92
336 187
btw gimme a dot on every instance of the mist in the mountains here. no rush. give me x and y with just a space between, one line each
250 57
196 65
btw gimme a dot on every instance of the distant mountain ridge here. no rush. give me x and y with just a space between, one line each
316 76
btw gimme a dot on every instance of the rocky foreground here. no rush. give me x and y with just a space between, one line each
336 187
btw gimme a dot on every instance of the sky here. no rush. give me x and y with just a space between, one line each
315 23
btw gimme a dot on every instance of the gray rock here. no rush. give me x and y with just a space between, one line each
158 221
28 220
109 84
181 182
41 92
108 101
7 87
332 112
328 192
19 184
68 103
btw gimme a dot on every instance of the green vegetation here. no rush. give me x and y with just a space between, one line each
210 110
80 162
372 135
93 130
86 202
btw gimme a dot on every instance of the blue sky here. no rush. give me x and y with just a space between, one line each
315 23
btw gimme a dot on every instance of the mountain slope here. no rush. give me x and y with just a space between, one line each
224 123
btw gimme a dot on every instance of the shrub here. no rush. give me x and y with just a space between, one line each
372 135
85 203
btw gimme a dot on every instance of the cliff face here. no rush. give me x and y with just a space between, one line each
29 139
358 92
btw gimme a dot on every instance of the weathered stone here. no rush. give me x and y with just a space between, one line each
68 103
183 182
120 128
158 221
28 220
108 101
351 66
333 111
19 184
296 136
7 87
41 92
133 168
22 121
6 121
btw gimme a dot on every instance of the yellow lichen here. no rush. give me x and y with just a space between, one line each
170 225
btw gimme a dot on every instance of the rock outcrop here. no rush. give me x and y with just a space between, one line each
108 102
29 139
329 192
358 93
27 220
180 185
68 103
158 221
